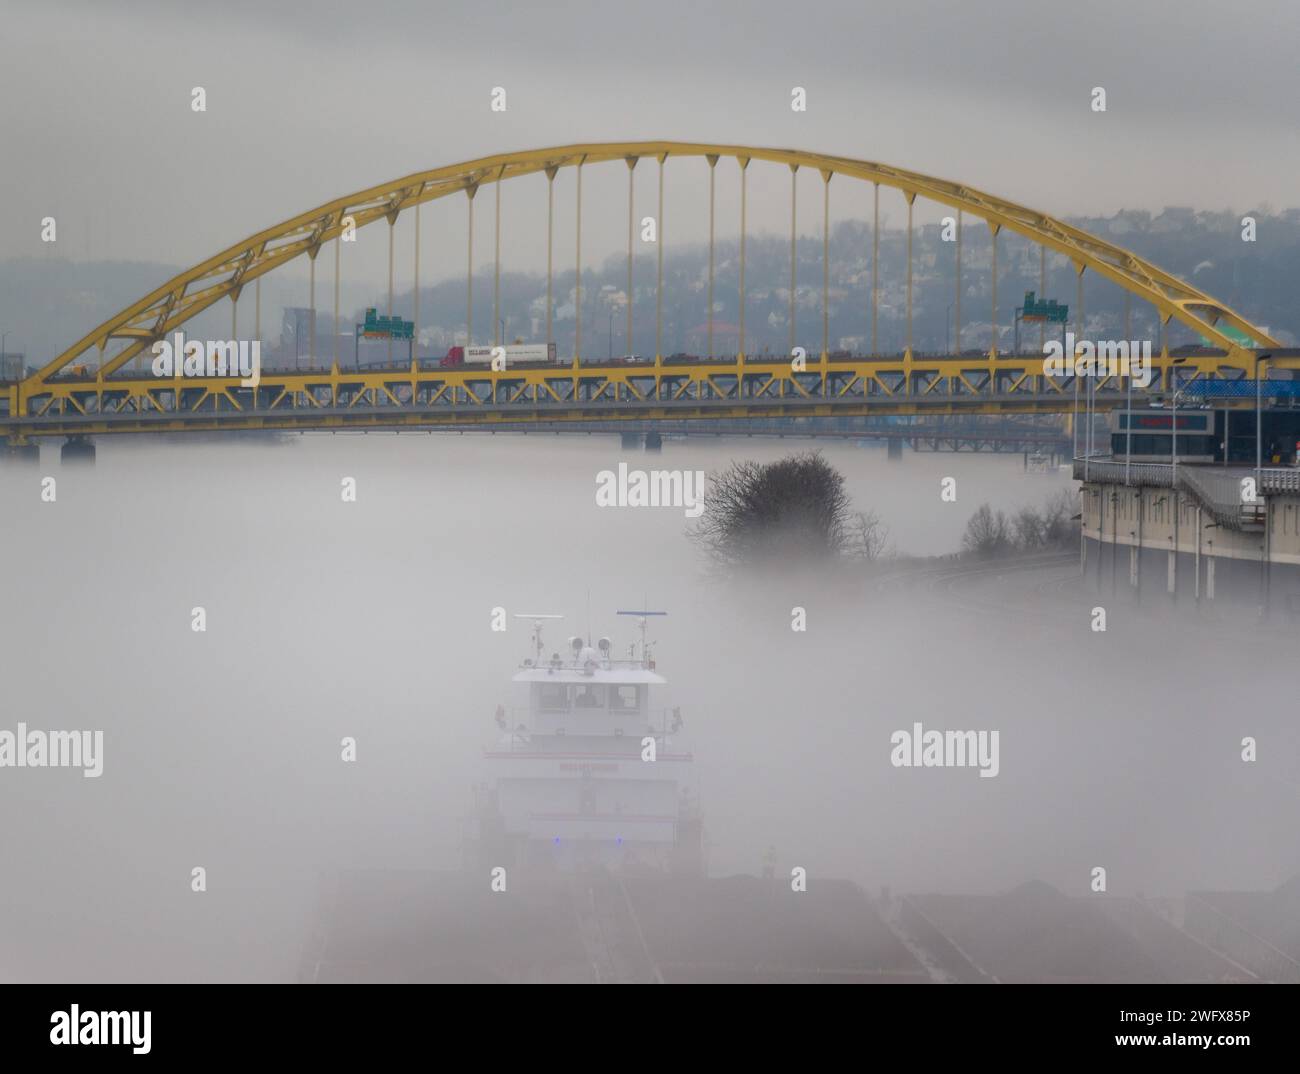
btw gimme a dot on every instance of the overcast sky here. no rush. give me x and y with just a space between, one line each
307 102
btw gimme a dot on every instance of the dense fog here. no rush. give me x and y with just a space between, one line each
371 619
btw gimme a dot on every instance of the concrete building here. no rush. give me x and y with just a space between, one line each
1207 539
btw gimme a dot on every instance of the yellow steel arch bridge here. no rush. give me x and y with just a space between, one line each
91 388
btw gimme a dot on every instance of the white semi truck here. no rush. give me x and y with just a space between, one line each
512 355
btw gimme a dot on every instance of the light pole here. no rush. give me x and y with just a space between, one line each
3 337
1128 426
1075 420
1173 470
1173 442
1087 435
1259 411
947 330
1087 440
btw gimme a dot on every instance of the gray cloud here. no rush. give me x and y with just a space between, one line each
307 103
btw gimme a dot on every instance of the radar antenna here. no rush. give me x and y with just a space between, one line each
642 618
537 621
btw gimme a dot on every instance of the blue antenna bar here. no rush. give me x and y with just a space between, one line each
640 613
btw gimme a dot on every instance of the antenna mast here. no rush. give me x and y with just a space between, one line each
537 621
642 618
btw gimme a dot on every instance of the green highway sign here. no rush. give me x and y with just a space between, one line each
1044 309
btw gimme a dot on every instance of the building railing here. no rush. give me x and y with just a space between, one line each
1103 468
1107 469
1222 495
1274 480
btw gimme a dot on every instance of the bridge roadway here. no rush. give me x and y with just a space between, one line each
576 397
557 417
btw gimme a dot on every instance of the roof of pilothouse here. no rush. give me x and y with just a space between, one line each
585 663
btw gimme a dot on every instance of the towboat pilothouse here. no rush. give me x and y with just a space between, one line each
592 770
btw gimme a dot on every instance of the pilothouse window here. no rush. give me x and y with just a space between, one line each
590 696
626 699
553 697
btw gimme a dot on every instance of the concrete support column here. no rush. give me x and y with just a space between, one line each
1101 529
25 452
77 450
1137 574
1196 588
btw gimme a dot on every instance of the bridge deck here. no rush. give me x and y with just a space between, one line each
569 395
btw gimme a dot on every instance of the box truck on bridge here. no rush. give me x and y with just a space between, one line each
514 354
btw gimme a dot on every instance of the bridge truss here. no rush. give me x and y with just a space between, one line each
59 400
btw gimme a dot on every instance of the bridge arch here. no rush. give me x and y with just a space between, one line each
225 274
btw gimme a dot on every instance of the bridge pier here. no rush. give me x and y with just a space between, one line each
77 449
630 441
654 443
22 451
894 449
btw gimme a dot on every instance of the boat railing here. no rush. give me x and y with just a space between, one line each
529 664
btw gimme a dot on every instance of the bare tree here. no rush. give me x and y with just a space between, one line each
1060 530
1027 527
867 536
987 533
794 509
1031 529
